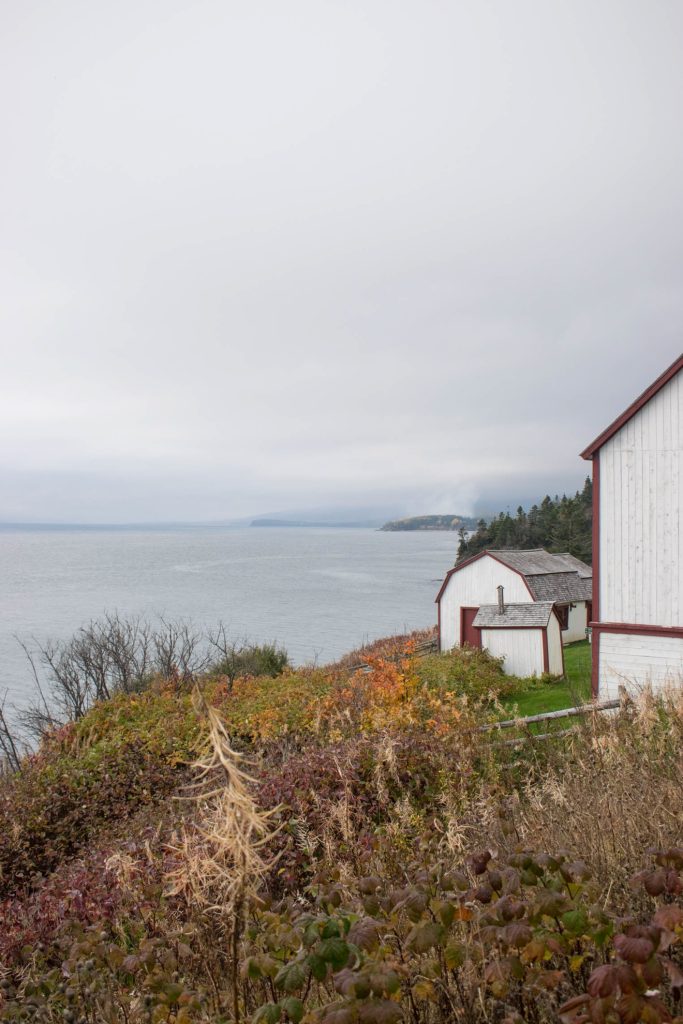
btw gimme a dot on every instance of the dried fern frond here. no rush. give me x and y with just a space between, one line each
221 859
304 836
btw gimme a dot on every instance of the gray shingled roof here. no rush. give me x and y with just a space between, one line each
539 562
533 614
560 586
559 578
576 565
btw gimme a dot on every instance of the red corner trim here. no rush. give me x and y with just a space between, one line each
561 644
633 408
595 638
638 629
474 558
595 664
546 654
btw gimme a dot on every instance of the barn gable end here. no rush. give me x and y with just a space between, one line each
638 541
471 584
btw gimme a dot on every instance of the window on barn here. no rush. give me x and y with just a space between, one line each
563 616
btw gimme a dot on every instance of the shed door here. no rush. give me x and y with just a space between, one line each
468 634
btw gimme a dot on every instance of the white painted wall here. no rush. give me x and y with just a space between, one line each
555 659
522 649
473 585
576 629
641 527
637 662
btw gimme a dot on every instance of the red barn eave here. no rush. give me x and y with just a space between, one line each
633 408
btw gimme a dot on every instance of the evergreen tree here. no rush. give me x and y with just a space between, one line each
557 524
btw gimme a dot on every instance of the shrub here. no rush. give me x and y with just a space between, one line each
388 647
467 672
106 657
515 937
240 658
127 753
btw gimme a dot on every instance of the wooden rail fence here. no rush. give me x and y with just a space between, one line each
547 716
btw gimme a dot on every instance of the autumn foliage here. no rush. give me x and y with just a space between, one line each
343 845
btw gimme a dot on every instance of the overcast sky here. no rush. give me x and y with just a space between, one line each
280 254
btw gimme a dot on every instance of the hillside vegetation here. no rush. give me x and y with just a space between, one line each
557 524
434 522
342 845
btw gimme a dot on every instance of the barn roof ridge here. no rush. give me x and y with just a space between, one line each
557 577
532 562
633 408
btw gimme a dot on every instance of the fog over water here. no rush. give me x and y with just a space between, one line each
319 592
272 256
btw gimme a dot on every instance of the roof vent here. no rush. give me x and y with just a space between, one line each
501 602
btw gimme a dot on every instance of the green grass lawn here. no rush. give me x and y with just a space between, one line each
535 697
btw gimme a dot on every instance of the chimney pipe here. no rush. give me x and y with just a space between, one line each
501 602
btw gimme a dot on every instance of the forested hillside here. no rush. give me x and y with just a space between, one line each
437 522
557 524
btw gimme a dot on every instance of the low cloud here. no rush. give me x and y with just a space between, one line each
272 257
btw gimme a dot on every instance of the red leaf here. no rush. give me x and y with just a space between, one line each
602 982
635 950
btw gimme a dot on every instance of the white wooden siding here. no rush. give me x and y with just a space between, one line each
576 627
555 660
637 662
473 585
521 649
641 527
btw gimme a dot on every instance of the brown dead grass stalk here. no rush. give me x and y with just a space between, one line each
222 858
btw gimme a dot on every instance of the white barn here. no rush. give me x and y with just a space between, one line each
637 461
560 582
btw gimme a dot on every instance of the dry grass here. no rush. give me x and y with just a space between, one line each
606 794
222 858
223 854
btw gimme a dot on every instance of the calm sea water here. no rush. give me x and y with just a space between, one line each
319 592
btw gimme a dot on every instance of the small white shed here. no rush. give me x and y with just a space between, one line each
527 636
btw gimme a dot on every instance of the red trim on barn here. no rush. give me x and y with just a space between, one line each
561 644
564 619
638 629
467 608
595 637
593 452
474 558
438 626
633 408
546 654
